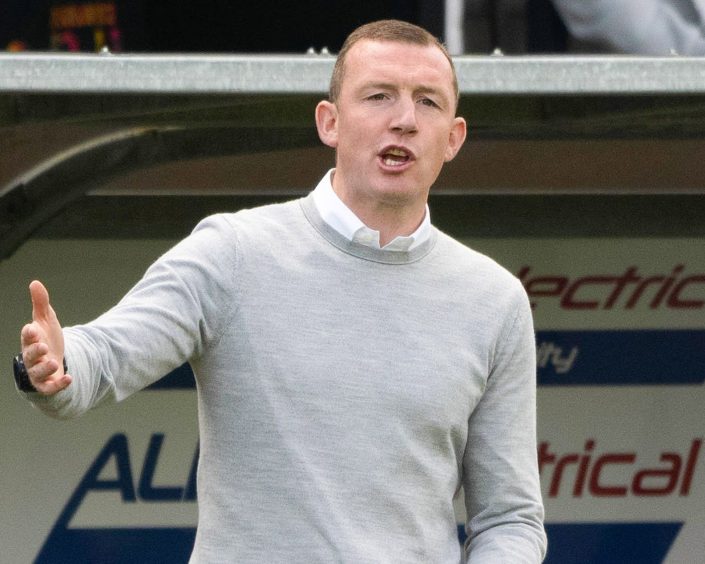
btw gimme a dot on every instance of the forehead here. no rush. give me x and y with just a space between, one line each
405 64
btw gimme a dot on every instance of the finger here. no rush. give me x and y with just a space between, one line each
34 353
53 385
44 370
41 309
29 335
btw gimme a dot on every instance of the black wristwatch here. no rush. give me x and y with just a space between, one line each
22 381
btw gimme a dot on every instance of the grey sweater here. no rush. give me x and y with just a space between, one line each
345 394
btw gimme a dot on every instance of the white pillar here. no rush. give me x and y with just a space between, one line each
453 26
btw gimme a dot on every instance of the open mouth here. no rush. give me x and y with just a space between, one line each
394 156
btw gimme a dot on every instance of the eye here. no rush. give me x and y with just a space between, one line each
428 102
379 96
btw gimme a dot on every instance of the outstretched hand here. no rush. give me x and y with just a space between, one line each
43 344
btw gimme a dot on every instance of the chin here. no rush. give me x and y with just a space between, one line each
399 194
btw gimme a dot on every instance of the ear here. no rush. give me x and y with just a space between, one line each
456 138
327 123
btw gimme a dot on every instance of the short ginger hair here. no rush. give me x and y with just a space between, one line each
386 30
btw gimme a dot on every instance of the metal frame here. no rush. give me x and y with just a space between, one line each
309 74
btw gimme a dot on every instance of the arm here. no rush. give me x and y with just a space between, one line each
636 27
168 318
500 478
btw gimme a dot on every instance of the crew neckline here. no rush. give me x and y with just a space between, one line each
385 256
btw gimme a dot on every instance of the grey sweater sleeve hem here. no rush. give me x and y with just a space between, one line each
84 392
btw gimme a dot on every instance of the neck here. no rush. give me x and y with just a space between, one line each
391 224
390 219
393 216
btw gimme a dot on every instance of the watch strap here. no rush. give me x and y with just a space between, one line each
22 380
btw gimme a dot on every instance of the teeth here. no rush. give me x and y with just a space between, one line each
395 157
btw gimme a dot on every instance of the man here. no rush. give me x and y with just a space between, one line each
355 366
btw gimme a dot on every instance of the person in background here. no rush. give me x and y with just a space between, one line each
643 27
355 366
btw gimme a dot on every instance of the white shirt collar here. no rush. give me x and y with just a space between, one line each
341 218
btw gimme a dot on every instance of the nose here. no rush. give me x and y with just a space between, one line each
404 118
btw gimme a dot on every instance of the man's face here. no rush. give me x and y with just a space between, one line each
393 125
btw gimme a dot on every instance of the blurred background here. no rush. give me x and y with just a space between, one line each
657 27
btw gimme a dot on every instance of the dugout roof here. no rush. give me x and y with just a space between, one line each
143 145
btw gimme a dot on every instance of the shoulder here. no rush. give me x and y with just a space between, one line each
227 232
218 240
467 263
486 287
270 214
257 221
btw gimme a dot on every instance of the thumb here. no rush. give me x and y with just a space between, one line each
40 301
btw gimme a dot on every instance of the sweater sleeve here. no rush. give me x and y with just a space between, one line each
166 319
500 469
